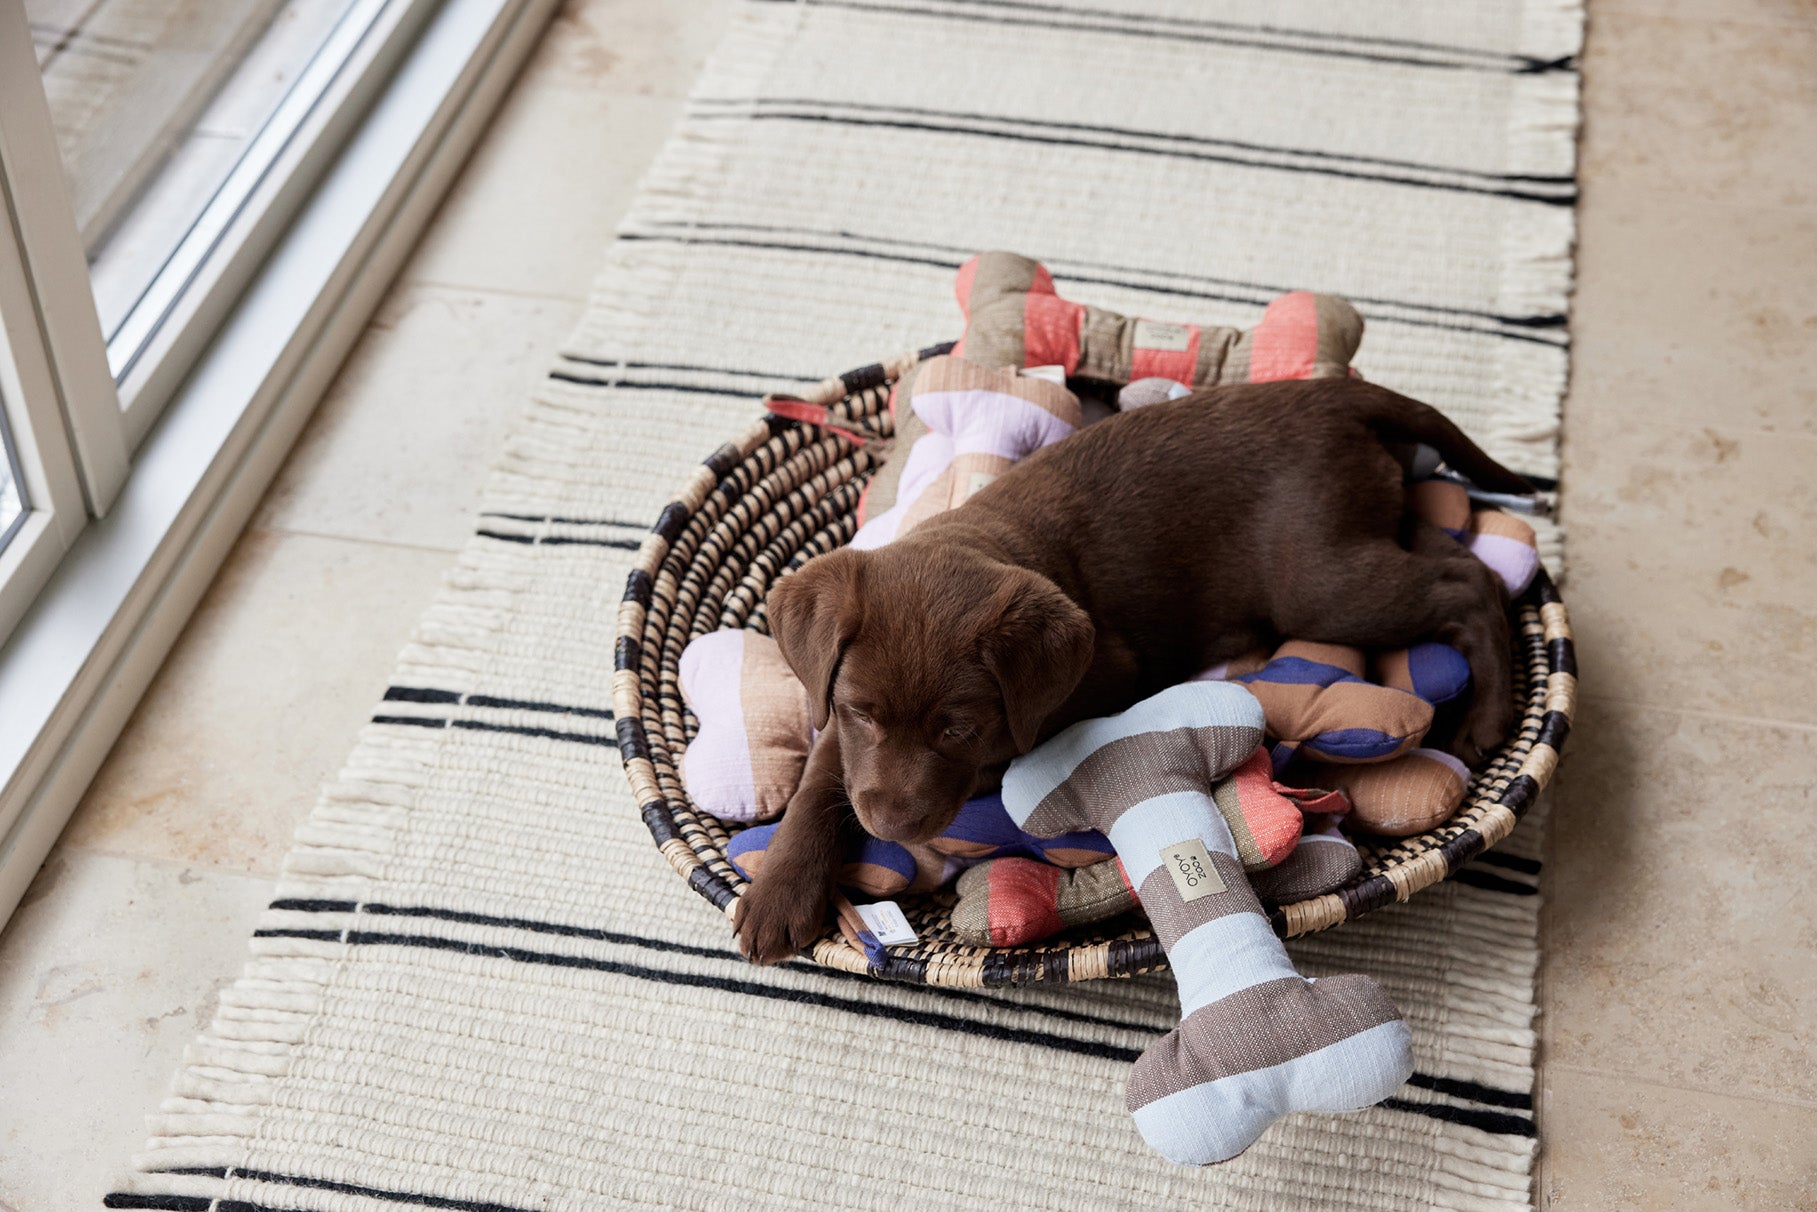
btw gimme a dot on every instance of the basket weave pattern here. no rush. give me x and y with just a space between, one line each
783 492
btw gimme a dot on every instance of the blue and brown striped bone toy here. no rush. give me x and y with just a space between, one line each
1256 1040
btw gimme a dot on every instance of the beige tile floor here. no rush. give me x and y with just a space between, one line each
1680 990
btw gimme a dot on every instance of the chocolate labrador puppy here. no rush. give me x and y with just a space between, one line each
1097 572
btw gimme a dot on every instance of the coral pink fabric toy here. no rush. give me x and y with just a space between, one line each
1015 317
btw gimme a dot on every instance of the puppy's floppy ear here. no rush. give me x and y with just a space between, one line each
1038 648
814 614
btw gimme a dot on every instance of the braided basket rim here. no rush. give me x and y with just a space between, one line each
812 473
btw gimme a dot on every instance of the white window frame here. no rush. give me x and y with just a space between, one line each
49 487
159 338
246 361
49 250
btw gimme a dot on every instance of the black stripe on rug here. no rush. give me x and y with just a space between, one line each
1530 338
423 694
1247 37
929 126
424 721
412 1198
1498 1122
1513 862
1476 1092
698 389
964 996
722 984
557 540
1264 291
748 105
1490 882
1496 58
689 368
565 521
645 942
1450 1086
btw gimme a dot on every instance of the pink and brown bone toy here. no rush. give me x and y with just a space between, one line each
1015 317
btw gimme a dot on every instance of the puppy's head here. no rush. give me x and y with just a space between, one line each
933 665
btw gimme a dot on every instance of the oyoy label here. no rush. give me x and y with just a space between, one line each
1167 338
1190 865
885 920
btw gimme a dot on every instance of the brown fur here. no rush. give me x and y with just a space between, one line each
1095 573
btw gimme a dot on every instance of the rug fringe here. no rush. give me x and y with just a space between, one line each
220 1094
1537 279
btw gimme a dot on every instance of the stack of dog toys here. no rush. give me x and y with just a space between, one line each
1267 760
1347 724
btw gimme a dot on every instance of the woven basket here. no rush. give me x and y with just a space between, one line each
784 492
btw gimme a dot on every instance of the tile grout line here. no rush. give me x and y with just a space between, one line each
81 850
1585 696
1776 1100
1664 426
361 540
406 281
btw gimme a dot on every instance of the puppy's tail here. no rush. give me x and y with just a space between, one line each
1395 418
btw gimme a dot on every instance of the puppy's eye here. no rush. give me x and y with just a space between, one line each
860 716
957 732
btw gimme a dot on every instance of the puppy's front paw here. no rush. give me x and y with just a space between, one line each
777 920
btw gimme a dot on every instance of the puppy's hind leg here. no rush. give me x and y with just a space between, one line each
1482 633
1376 594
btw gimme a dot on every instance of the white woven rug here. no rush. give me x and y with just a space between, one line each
481 988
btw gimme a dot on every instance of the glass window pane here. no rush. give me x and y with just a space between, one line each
154 103
13 505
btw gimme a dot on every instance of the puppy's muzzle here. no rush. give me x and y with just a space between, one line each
895 818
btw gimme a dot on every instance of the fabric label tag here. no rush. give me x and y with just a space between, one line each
885 920
1190 865
1053 374
1171 338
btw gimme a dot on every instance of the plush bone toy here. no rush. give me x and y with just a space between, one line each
1009 902
1362 737
1256 1040
962 425
1030 901
1027 888
1014 317
755 725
